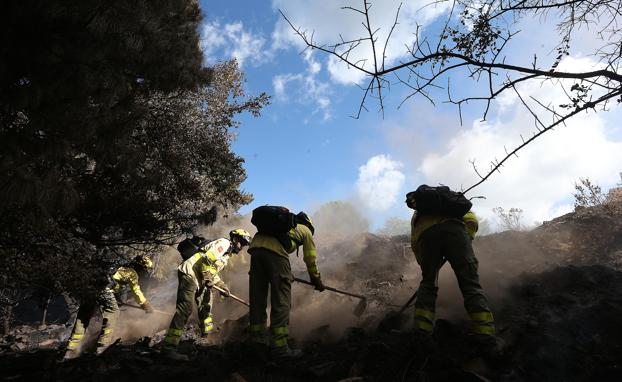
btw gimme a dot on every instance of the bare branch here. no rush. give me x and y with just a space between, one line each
498 164
386 42
472 44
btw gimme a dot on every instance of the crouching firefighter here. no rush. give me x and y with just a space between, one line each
280 233
442 233
108 303
197 275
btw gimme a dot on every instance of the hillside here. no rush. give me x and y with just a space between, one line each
555 291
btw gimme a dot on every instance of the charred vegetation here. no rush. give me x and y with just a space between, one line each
555 298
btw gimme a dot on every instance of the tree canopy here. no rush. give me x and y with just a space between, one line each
114 136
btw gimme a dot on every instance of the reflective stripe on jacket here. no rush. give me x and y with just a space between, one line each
299 234
211 258
128 276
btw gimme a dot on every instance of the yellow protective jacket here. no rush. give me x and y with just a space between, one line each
126 276
299 234
419 226
211 258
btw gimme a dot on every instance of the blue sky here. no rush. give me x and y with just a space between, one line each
306 150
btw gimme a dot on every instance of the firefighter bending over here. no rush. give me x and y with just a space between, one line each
108 303
270 267
197 275
434 240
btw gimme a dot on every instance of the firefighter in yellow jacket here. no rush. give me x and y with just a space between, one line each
108 303
434 240
270 267
197 275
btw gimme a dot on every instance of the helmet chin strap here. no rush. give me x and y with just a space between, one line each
233 248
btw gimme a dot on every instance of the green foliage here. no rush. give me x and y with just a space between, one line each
475 36
113 136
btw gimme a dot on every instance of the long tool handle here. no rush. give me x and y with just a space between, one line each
236 298
331 289
410 300
140 307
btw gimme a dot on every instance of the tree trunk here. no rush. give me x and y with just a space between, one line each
72 307
7 312
45 309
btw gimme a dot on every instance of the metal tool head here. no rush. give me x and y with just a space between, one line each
360 308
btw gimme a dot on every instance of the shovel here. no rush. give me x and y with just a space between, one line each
397 319
360 308
410 300
236 298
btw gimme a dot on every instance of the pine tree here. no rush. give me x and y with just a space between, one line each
113 135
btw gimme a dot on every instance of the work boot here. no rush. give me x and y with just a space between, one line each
71 354
285 353
422 341
489 346
174 355
259 351
100 349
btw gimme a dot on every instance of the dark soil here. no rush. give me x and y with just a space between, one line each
560 325
560 315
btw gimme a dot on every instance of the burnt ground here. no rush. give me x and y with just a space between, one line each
560 318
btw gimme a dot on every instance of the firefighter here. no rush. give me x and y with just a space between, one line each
434 240
270 267
127 277
108 304
197 275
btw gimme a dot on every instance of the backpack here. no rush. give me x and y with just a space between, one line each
190 246
275 221
440 201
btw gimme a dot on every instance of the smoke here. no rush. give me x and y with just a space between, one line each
382 268
352 260
503 258
161 291
349 259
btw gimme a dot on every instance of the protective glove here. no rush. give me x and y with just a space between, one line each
226 292
316 280
147 307
208 278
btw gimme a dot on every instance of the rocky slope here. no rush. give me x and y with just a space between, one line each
555 291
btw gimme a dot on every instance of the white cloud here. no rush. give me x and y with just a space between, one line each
540 181
340 72
327 22
279 82
379 183
234 41
323 102
306 87
211 38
